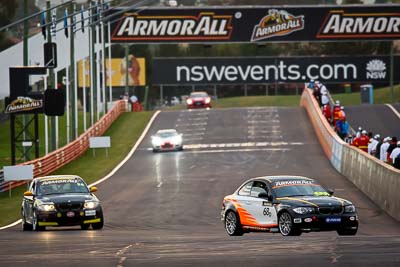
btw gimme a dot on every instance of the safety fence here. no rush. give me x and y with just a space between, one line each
378 180
62 156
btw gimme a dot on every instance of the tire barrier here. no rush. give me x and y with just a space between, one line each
62 156
378 180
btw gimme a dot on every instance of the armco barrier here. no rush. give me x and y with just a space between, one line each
55 160
378 180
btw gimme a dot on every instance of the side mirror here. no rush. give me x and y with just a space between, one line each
265 195
28 194
330 191
93 189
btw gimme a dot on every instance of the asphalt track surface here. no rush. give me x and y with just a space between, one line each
378 119
163 209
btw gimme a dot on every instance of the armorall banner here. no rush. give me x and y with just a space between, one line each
257 24
263 70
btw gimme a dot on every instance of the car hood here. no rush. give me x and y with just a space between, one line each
67 198
199 98
320 201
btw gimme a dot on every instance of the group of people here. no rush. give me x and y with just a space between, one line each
336 116
386 149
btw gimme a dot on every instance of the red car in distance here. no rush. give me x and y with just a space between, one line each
198 100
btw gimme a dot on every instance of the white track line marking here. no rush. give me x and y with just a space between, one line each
238 150
116 168
394 110
11 225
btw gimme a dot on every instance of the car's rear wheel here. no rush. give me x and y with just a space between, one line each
347 231
25 226
285 224
232 224
35 223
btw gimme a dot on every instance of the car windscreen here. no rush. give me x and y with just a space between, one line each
198 95
298 188
62 186
166 134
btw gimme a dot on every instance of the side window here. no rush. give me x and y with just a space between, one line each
258 187
245 190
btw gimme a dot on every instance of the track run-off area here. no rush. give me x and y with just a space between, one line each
163 209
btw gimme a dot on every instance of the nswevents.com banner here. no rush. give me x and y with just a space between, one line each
261 70
256 24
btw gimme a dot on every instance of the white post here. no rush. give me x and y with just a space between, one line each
68 102
109 64
76 97
91 75
46 124
84 92
103 67
98 89
57 137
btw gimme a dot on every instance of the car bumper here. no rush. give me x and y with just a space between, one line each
199 105
69 218
311 223
167 147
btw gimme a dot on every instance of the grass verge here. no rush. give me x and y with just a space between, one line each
124 133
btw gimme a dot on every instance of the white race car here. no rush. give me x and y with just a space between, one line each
168 139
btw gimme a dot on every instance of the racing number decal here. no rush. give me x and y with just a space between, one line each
267 212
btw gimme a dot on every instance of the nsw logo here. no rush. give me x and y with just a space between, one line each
277 23
376 69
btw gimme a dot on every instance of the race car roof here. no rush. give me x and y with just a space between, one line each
276 178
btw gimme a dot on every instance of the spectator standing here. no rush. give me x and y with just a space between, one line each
359 130
341 112
344 128
392 145
338 127
326 110
395 153
384 148
311 85
336 112
317 93
378 147
362 141
372 144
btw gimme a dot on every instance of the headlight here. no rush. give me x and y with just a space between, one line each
208 100
90 204
350 209
176 140
156 141
46 207
303 210
189 101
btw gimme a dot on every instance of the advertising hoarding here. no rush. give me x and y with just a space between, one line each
261 70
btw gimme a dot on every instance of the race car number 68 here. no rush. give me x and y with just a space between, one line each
266 212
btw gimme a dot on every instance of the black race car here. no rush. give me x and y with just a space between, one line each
289 205
63 200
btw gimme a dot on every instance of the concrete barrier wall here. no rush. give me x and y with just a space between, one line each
378 180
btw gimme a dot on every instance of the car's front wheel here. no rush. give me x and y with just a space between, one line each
99 225
25 226
285 224
35 223
232 224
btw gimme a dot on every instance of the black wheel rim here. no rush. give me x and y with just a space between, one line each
230 223
285 224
